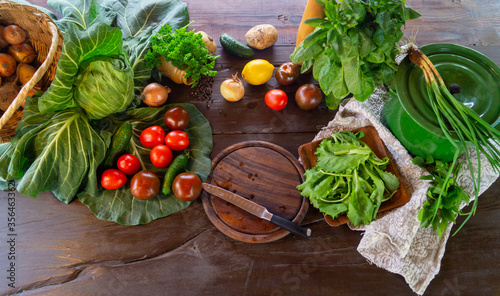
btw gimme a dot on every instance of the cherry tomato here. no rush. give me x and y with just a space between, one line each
308 96
145 185
152 136
113 179
176 118
186 186
161 156
287 73
276 99
177 140
129 164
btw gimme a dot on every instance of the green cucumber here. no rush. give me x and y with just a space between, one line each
119 142
235 47
177 166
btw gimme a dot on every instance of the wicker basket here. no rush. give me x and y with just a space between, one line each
46 39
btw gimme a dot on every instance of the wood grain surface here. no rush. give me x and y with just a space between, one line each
65 250
264 173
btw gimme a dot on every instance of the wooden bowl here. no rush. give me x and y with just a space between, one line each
372 139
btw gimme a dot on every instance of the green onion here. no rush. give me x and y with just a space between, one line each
460 124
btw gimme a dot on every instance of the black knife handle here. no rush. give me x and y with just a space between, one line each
292 227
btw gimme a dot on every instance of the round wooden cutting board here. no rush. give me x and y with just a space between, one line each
264 173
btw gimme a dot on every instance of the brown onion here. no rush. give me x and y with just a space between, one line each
155 94
13 34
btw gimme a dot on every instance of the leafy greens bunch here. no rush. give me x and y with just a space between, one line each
354 47
65 132
444 197
348 178
185 49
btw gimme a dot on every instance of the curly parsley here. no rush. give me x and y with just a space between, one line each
185 49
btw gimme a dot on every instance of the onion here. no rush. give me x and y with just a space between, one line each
232 89
13 34
155 94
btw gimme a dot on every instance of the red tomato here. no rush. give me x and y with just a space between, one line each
176 118
113 179
276 99
186 186
161 156
177 140
129 164
152 136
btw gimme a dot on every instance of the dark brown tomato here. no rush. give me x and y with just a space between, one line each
287 73
145 185
177 118
308 96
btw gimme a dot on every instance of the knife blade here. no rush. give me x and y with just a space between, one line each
257 210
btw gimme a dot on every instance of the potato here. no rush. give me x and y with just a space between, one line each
261 36
209 42
25 73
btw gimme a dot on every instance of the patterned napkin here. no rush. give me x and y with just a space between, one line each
395 240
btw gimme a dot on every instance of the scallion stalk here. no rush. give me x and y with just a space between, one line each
459 124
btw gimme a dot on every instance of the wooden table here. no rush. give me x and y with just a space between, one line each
65 250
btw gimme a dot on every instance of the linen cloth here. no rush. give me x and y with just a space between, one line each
395 241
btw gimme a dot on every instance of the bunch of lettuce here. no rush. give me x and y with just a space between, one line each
65 132
348 179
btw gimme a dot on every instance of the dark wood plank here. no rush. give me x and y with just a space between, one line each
64 250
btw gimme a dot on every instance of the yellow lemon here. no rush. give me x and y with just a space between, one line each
257 72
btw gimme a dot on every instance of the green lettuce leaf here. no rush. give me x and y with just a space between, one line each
348 179
119 205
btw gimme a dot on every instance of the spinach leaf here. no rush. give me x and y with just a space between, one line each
354 47
119 205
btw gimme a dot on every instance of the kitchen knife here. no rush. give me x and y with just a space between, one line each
257 210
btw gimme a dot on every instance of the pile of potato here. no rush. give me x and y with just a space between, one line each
16 59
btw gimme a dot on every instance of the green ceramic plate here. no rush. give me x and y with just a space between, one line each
477 74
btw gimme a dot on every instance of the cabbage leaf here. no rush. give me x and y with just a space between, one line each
57 151
99 40
60 143
138 20
119 205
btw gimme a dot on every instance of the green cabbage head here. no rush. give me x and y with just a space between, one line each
104 86
93 72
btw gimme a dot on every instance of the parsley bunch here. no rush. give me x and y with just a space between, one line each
185 49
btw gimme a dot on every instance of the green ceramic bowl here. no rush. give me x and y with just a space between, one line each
410 116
